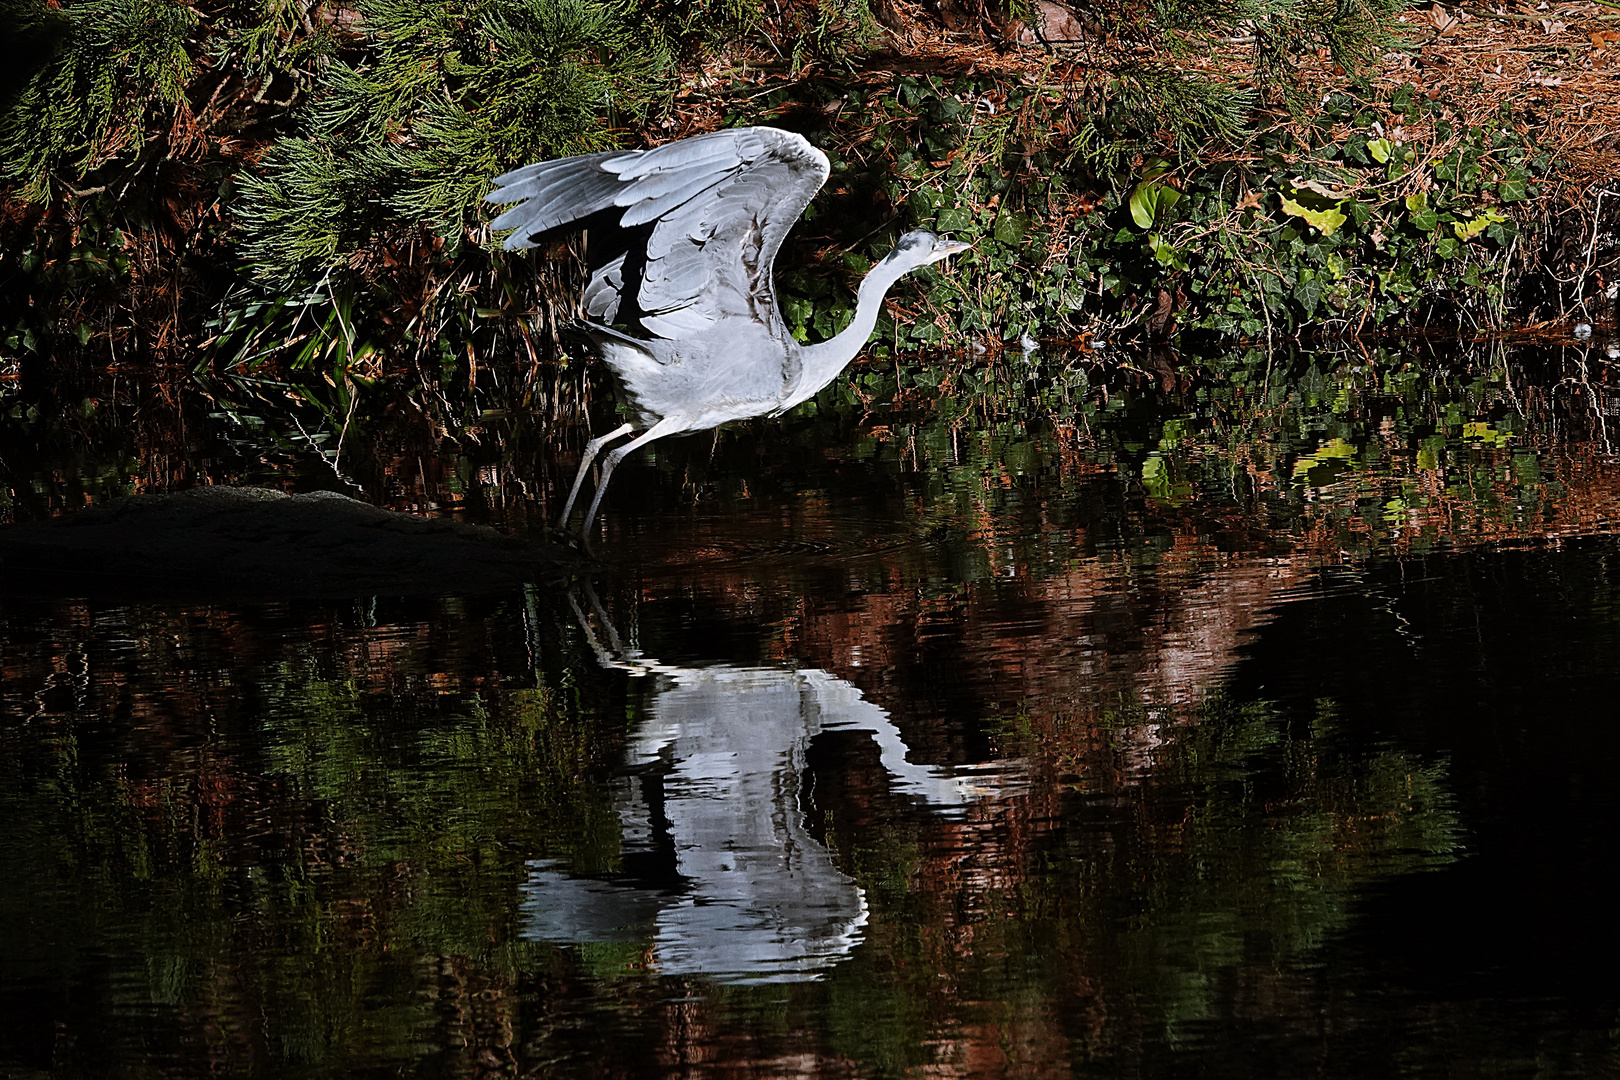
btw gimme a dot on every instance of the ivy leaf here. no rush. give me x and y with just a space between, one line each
1165 253
1467 230
1309 294
1326 221
1502 232
1010 227
1380 149
1447 247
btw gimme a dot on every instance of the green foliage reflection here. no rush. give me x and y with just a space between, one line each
325 861
1236 846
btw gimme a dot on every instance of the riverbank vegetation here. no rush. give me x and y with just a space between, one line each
254 189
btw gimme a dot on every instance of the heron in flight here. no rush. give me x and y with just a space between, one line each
688 268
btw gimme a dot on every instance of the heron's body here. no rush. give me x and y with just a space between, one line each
694 386
685 267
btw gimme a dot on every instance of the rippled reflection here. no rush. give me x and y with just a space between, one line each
728 880
1099 742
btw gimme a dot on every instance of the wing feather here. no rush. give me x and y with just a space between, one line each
674 190
543 189
674 280
681 322
603 291
719 207
551 195
715 147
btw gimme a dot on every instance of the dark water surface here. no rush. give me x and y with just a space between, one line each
968 748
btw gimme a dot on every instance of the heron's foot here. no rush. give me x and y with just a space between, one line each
570 538
566 538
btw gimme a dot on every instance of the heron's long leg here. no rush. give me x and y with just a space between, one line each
607 655
592 448
611 462
601 613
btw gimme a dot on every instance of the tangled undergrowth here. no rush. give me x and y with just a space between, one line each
289 190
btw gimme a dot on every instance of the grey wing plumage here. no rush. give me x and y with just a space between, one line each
551 194
719 206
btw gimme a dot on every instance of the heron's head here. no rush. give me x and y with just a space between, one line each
921 247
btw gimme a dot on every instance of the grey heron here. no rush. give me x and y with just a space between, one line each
683 238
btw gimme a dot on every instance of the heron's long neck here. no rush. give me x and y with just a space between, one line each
823 362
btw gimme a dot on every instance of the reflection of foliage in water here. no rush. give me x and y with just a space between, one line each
1385 449
287 840
1388 448
308 854
1241 851
1280 832
465 769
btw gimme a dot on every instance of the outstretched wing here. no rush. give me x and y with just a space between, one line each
714 210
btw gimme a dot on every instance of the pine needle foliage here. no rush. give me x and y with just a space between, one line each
1161 107
277 37
116 68
1349 32
446 94
1165 90
1278 33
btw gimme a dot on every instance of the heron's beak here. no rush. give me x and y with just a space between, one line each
946 248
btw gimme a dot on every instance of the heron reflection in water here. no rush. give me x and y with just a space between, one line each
721 870
683 239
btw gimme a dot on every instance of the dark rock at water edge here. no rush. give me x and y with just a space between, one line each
225 542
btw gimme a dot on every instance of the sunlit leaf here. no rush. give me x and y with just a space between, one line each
1150 203
1467 230
1325 221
